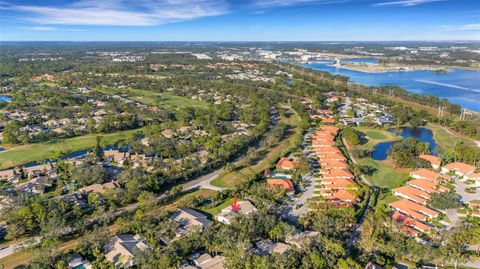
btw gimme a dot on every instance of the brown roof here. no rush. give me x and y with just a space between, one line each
280 182
430 158
426 185
414 194
413 209
460 167
428 175
410 222
285 163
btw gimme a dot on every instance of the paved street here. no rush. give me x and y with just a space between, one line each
204 182
460 189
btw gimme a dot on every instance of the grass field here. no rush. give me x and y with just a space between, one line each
446 140
41 151
376 135
274 152
386 176
164 100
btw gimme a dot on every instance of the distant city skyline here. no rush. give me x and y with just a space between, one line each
249 20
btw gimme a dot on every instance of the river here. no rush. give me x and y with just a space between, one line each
458 86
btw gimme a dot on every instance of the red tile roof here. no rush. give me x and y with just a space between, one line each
428 175
336 173
413 209
281 182
432 159
460 167
410 222
340 195
412 193
285 163
426 185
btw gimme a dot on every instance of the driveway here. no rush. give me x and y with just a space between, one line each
460 189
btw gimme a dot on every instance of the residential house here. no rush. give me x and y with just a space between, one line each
287 164
412 194
284 183
428 175
189 220
460 169
75 261
300 238
122 248
206 261
433 160
414 210
227 214
267 247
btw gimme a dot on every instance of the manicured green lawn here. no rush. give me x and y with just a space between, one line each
42 151
446 140
377 135
155 98
215 210
385 176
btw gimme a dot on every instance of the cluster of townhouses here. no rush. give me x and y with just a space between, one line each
412 211
337 183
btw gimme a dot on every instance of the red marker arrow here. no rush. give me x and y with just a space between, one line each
235 206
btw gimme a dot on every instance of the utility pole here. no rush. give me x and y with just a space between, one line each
390 94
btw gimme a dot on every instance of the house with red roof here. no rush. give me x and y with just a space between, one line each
427 186
460 169
414 210
475 177
410 223
287 164
284 183
428 175
433 160
411 193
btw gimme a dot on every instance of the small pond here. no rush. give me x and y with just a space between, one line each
380 152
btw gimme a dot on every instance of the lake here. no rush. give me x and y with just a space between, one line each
458 86
380 152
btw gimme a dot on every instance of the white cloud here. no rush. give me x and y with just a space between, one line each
121 12
39 28
405 3
276 3
48 28
471 26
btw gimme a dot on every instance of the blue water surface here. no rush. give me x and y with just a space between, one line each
380 152
458 86
5 98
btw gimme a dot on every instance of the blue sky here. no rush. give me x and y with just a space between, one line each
239 20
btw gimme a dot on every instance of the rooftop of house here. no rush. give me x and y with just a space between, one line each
190 218
267 247
427 185
413 223
413 209
432 159
460 167
281 182
99 188
428 175
123 247
339 195
206 261
414 194
286 163
245 207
